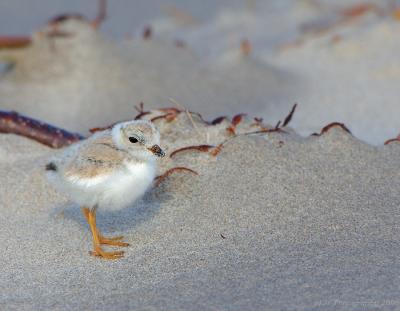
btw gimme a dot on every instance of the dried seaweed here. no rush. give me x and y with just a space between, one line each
201 148
170 110
389 141
147 33
101 14
159 179
245 47
141 111
235 122
96 22
360 9
214 152
168 116
238 118
64 17
342 17
289 116
331 125
218 120
99 129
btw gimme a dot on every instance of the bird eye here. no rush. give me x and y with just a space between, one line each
133 140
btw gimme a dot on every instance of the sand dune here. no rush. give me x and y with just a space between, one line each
273 221
83 80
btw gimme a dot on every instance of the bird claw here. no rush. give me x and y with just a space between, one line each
115 238
115 241
99 252
99 239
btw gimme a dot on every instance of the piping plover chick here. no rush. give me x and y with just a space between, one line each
109 170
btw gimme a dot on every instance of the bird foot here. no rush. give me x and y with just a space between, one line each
115 241
99 239
99 252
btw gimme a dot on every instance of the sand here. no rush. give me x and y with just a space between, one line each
91 78
84 80
274 221
346 72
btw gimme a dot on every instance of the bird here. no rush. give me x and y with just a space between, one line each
110 170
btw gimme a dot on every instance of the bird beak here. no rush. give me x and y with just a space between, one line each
157 151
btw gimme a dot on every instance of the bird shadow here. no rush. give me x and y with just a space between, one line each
121 220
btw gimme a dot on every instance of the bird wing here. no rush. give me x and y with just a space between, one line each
94 157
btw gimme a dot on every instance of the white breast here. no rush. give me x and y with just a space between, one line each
112 191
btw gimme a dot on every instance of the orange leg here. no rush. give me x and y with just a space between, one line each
98 239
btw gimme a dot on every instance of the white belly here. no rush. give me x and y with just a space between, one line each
113 191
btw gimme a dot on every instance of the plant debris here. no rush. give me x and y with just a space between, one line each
214 152
54 137
180 43
201 148
14 42
331 125
289 116
141 111
235 121
147 33
392 140
159 179
218 120
96 22
238 118
245 47
99 129
101 14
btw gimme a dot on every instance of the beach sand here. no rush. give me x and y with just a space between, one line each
274 221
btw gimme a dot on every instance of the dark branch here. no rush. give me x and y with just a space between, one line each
14 123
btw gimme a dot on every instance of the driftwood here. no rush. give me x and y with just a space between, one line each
14 42
14 123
